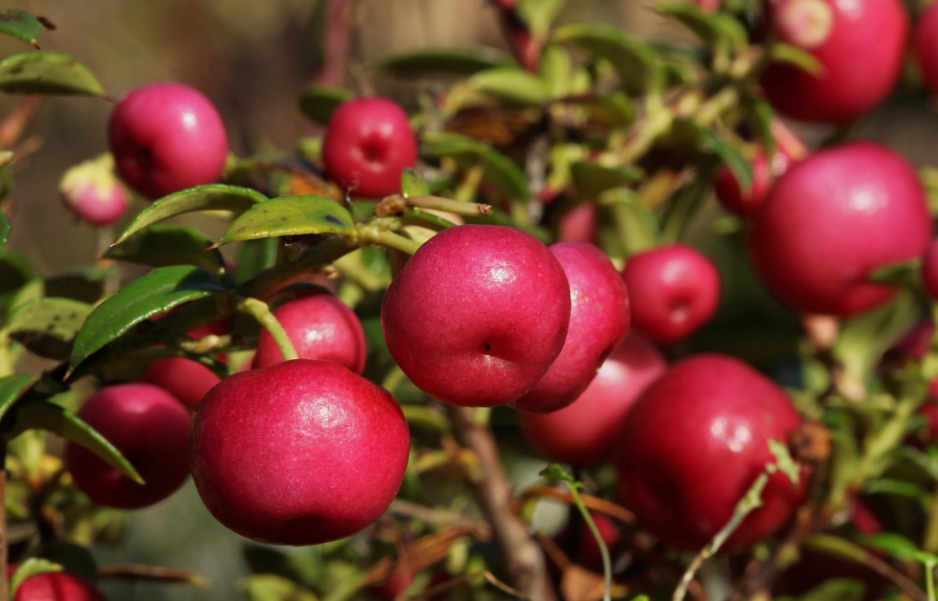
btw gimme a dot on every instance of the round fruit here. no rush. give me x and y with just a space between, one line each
599 320
320 327
477 314
693 444
55 586
166 137
583 433
925 46
673 290
745 204
367 145
854 75
91 191
299 453
834 218
150 428
186 379
930 269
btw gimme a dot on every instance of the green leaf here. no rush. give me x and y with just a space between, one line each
412 184
614 110
4 229
255 256
711 143
512 84
423 417
56 419
637 65
19 281
210 197
144 298
268 587
11 389
31 567
792 55
290 216
591 178
160 245
21 25
499 170
899 488
759 115
682 207
445 61
538 15
891 543
905 273
318 102
86 286
836 546
556 69
47 73
46 326
833 589
719 32
626 226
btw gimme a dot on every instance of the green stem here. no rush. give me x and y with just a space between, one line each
261 312
381 237
603 550
437 203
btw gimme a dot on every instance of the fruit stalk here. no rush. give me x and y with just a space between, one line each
523 558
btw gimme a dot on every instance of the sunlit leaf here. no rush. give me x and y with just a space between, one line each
21 25
290 216
46 326
512 84
47 73
637 65
445 61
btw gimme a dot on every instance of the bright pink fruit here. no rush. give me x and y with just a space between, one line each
925 46
184 378
320 327
477 315
599 320
834 218
166 137
367 145
91 191
855 75
731 195
55 586
150 428
694 443
299 453
583 433
673 290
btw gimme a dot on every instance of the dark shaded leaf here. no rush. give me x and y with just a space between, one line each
210 197
148 296
592 179
613 110
11 389
711 143
47 73
255 256
46 326
86 286
636 63
445 61
626 226
290 216
160 245
719 32
318 102
499 170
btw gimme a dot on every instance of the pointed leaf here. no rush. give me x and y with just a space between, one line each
56 419
21 25
412 184
46 326
210 197
4 229
718 31
591 178
538 15
711 143
556 69
512 84
317 102
445 61
637 66
144 298
11 389
499 171
47 73
160 245
682 207
793 55
613 110
894 544
290 216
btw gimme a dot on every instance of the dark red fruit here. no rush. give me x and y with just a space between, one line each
925 46
55 586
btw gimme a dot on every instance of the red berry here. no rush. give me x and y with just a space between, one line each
55 586
930 269
367 145
925 46
186 379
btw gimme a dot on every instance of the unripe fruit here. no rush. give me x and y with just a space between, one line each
477 315
925 46
320 327
673 290
599 320
855 75
91 191
299 453
834 218
694 443
55 586
583 433
166 137
150 428
367 145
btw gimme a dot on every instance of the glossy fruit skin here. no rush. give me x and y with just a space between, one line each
856 75
694 443
55 586
477 314
299 453
186 379
583 433
166 137
367 145
925 47
320 327
745 204
599 321
831 220
150 427
673 290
